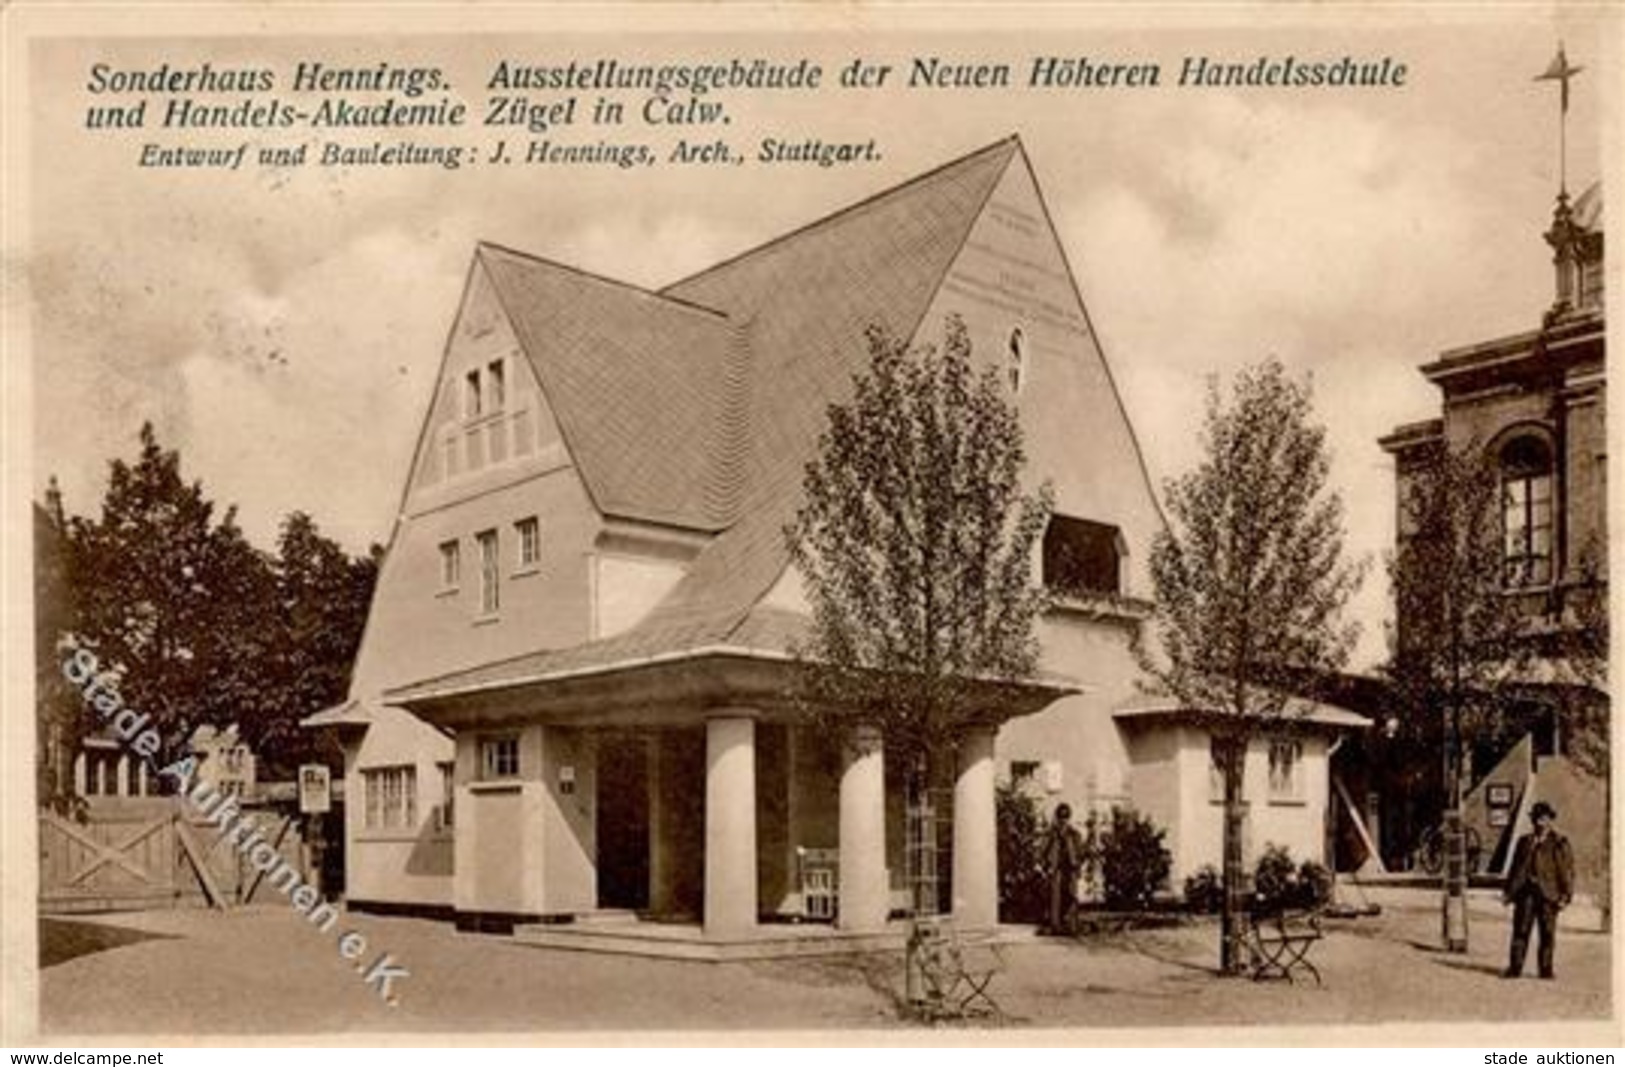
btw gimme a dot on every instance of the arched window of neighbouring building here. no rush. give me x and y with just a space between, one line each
1526 511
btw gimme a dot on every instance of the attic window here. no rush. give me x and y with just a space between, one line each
471 395
1082 558
495 386
1017 360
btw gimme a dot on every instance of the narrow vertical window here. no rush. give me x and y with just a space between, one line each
496 386
451 565
471 395
490 589
530 542
448 794
1017 359
1286 778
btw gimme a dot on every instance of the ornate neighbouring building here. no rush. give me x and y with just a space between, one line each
1533 404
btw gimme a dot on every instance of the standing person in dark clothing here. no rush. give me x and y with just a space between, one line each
1539 885
1063 858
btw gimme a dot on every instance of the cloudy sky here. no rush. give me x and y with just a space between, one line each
283 328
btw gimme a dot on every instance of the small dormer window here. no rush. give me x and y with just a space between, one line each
1017 360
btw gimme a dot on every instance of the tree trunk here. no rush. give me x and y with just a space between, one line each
1605 889
1232 929
919 849
1454 912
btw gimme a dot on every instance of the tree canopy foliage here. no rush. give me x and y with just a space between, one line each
1249 574
1458 640
198 625
915 543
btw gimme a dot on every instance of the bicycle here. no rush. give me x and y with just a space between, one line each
1431 850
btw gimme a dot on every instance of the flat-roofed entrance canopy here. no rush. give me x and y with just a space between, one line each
672 690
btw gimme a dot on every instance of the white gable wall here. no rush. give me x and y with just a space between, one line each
1012 274
418 628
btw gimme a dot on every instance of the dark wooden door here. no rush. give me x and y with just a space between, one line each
623 823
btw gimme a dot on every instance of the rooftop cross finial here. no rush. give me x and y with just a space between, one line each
1560 71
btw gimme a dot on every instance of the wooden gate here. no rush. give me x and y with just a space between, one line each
143 852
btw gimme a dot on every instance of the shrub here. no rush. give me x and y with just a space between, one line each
1204 891
1315 884
1134 864
1275 879
1280 883
1023 882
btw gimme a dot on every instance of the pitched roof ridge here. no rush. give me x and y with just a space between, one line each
676 302
730 447
1010 143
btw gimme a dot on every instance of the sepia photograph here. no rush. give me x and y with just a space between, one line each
790 525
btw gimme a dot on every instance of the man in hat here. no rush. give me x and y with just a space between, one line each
1063 858
1539 885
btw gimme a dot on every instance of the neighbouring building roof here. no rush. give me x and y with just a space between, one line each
1314 714
700 405
349 713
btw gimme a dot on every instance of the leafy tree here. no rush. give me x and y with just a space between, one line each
1250 585
1459 639
321 600
198 625
168 597
914 542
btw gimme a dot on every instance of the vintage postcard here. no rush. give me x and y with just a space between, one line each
773 524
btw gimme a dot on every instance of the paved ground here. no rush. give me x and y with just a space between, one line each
260 970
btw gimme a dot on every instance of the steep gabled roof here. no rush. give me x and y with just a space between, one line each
637 382
760 344
809 297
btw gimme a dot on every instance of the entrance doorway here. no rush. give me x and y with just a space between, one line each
623 822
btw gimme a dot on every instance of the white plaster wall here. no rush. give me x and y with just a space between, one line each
1298 826
406 866
626 589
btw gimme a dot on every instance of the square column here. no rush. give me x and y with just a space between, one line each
864 891
976 846
730 823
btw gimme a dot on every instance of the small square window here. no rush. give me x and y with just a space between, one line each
451 565
499 757
530 542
